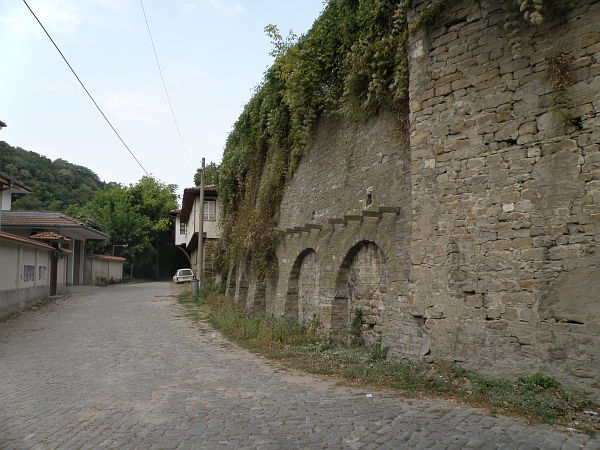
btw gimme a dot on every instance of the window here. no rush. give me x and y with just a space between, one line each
28 273
210 210
182 227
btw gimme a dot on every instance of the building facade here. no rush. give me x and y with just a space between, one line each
31 271
187 227
28 223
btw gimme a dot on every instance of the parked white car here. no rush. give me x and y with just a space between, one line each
183 275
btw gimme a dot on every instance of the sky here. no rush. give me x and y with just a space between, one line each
213 53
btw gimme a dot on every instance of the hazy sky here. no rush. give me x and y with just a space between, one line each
212 52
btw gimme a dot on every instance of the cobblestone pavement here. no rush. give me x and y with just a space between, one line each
122 367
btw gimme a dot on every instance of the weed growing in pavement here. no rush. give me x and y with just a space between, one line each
305 347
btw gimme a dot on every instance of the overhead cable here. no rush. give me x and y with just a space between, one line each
165 85
85 89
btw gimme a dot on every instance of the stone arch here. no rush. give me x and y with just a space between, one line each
303 288
361 283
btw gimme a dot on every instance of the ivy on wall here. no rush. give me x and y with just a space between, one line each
351 64
531 12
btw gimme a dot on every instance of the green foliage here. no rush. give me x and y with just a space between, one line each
103 281
537 380
377 351
530 12
211 174
534 11
351 64
355 328
536 397
561 70
56 185
136 215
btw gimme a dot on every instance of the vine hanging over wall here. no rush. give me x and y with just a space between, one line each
533 12
351 64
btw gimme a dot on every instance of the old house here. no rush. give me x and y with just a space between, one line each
31 271
28 223
41 252
468 231
187 226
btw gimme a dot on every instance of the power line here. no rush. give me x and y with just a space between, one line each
85 89
165 85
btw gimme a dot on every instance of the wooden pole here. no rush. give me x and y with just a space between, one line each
200 262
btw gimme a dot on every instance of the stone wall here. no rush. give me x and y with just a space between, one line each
475 238
506 194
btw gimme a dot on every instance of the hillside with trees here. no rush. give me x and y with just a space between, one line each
55 185
136 215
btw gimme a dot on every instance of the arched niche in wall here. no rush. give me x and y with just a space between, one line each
303 288
361 285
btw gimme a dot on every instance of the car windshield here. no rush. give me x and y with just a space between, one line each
183 272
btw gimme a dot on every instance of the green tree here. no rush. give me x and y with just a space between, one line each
211 174
55 185
136 215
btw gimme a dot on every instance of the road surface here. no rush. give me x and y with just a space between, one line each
123 367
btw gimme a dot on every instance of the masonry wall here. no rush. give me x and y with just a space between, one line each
97 269
505 266
474 237
19 287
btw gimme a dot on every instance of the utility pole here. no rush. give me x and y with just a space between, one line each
2 125
200 261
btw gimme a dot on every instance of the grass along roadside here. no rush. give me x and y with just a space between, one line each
536 397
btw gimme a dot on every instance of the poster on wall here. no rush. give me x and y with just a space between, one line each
28 273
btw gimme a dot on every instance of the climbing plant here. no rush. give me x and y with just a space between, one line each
352 64
532 12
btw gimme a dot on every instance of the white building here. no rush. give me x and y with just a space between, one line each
28 223
10 186
31 271
73 232
187 226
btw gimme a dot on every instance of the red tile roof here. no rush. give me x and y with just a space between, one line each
49 220
24 240
41 220
49 236
109 257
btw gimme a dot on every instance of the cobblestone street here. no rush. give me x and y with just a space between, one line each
122 367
